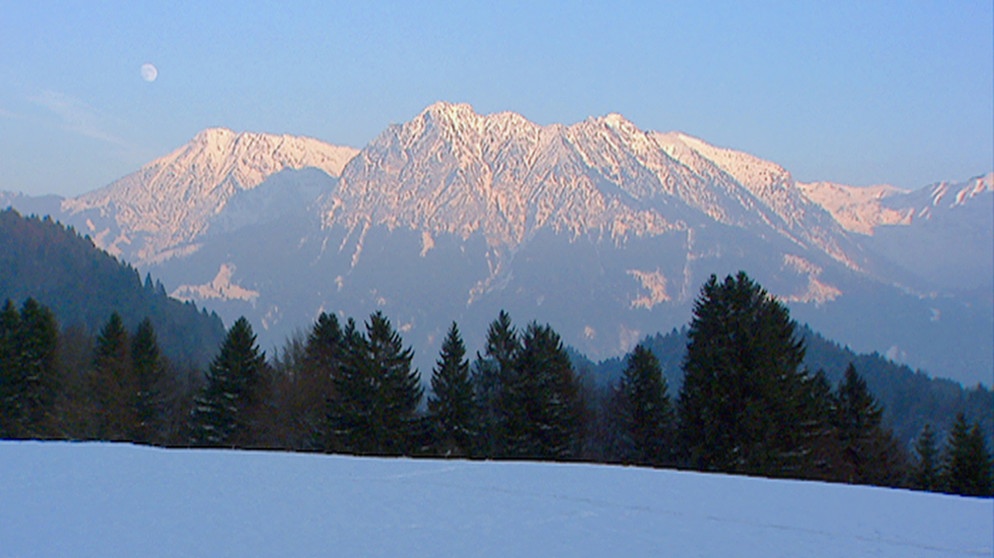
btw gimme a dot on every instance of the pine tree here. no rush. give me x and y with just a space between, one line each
325 346
540 403
351 409
967 468
113 385
313 388
451 409
825 455
646 414
28 380
743 398
491 369
226 410
10 381
150 374
927 469
870 454
376 392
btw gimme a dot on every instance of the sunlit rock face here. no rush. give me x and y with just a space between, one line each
601 229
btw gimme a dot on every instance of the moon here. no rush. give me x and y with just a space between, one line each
149 72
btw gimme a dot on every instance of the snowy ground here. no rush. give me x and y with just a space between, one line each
104 500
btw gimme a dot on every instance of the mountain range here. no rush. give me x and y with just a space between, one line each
601 229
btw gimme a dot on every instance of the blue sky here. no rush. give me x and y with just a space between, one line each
853 92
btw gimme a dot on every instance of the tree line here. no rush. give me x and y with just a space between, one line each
746 405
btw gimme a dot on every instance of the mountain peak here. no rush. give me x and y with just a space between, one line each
173 199
615 120
445 109
213 134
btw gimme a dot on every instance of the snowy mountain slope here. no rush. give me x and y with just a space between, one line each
160 210
117 500
452 170
859 210
862 210
941 233
602 230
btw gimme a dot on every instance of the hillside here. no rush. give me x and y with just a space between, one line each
102 500
910 398
83 285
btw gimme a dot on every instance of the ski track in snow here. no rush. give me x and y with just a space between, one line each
108 500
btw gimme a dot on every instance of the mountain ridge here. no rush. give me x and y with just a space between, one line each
597 226
169 202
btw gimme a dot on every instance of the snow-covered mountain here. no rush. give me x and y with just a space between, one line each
940 233
452 171
163 209
601 229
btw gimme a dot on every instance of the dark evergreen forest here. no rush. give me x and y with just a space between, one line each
82 285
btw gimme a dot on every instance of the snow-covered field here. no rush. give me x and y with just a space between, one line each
106 500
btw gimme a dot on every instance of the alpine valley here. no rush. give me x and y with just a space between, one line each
603 230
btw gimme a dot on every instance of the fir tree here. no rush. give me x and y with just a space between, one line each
376 392
312 387
38 348
825 456
113 383
150 373
540 403
968 462
351 408
325 346
491 369
927 470
10 372
646 414
870 455
225 411
742 403
451 410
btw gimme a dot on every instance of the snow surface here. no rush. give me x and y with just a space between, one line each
106 500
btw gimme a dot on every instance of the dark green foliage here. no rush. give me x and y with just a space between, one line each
489 372
540 404
825 452
325 346
644 411
451 411
376 392
151 380
909 398
968 462
743 401
305 383
870 455
926 474
113 385
82 285
28 372
10 322
226 410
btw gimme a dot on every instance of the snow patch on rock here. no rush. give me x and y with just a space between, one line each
220 287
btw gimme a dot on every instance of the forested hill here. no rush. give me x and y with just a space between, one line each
910 398
83 285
